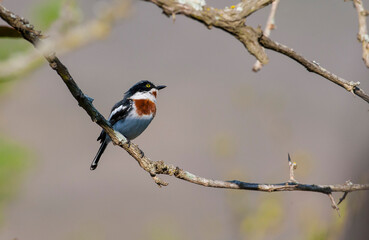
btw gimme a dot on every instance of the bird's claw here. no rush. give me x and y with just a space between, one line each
142 153
128 143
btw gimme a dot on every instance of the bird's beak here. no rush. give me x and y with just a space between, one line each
160 87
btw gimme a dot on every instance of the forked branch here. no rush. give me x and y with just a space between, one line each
232 20
270 25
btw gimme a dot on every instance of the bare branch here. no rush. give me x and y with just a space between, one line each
155 168
315 67
334 205
342 198
293 167
230 19
270 25
349 183
233 22
363 36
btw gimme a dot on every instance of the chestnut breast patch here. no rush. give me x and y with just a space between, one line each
145 107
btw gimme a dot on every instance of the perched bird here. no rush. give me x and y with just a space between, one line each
132 115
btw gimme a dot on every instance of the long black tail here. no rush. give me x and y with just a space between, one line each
98 155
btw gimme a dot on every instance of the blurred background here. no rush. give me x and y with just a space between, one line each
216 119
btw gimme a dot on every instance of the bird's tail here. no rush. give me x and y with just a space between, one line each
98 155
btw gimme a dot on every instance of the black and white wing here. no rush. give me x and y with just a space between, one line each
118 112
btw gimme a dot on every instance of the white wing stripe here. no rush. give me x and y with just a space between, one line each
118 109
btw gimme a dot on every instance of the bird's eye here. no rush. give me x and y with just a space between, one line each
148 85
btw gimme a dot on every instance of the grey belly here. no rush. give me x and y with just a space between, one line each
132 127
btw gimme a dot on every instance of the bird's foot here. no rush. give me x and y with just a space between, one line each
128 143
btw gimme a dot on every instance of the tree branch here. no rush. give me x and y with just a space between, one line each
270 25
232 20
362 36
315 67
154 168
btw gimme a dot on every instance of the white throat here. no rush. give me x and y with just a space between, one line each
145 95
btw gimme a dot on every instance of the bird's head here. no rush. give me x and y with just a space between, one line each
143 89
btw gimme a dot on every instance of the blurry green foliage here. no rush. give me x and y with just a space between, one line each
45 13
13 158
10 46
5 84
13 162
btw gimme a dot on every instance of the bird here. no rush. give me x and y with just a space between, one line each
132 115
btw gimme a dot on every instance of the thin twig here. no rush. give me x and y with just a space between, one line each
315 67
342 198
348 183
292 166
154 168
363 36
270 25
334 205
